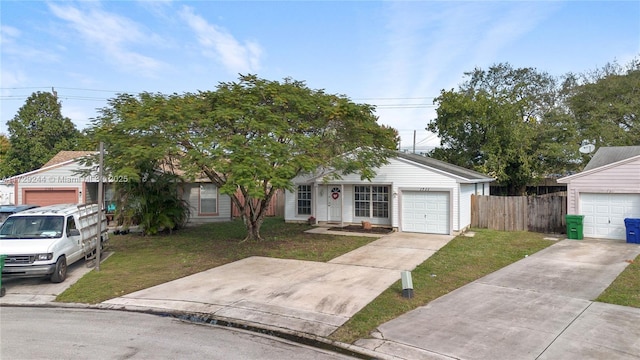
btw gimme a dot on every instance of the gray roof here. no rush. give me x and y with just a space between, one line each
609 155
446 167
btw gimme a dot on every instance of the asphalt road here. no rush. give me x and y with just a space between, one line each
65 333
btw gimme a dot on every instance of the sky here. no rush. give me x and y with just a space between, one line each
396 55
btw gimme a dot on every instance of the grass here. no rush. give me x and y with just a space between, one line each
625 290
140 262
461 261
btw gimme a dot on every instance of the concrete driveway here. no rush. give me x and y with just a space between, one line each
537 308
295 296
40 291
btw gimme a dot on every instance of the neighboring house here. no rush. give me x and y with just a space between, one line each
58 182
412 193
606 192
7 197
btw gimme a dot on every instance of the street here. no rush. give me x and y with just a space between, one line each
65 333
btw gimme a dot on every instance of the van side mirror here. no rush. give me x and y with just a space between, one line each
73 232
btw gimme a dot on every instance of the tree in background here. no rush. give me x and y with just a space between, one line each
249 137
36 133
503 122
606 105
5 145
139 159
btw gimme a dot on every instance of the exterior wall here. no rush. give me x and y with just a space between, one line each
62 177
466 190
400 175
192 195
7 195
624 179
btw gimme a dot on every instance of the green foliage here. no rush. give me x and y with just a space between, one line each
5 145
153 202
503 122
249 137
607 106
36 133
520 124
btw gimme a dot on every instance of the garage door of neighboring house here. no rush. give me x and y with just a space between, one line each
425 212
604 214
45 197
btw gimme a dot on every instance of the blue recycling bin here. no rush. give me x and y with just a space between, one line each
633 230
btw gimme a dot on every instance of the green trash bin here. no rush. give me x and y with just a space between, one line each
574 227
2 289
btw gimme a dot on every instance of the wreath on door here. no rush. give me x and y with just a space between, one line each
335 193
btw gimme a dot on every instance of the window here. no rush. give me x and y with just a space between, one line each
362 198
380 201
304 199
371 201
208 199
71 224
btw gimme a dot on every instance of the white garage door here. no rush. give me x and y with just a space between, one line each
425 212
604 214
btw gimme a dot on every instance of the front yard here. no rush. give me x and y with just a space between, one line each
140 262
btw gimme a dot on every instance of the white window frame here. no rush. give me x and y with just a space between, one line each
209 194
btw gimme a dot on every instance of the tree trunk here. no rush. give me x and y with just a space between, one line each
253 212
253 229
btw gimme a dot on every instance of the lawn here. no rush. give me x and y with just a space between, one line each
463 260
140 262
625 290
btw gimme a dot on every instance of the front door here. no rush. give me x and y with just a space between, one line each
335 203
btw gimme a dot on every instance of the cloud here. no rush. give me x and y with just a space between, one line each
111 34
429 45
217 43
15 48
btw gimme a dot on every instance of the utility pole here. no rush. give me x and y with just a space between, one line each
414 141
100 205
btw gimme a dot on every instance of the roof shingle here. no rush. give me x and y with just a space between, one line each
66 155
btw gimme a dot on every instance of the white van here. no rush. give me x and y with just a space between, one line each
45 240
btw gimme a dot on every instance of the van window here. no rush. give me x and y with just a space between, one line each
71 224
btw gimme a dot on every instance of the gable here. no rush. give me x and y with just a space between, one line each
622 175
627 169
408 165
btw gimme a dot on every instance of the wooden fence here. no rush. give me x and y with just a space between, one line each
544 214
275 208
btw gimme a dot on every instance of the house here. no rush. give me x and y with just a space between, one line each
7 197
606 192
411 193
58 182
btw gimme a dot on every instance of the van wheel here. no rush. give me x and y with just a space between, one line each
60 273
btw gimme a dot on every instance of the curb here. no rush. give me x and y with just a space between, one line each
236 324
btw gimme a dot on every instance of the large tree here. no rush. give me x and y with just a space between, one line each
503 122
37 132
606 105
249 137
